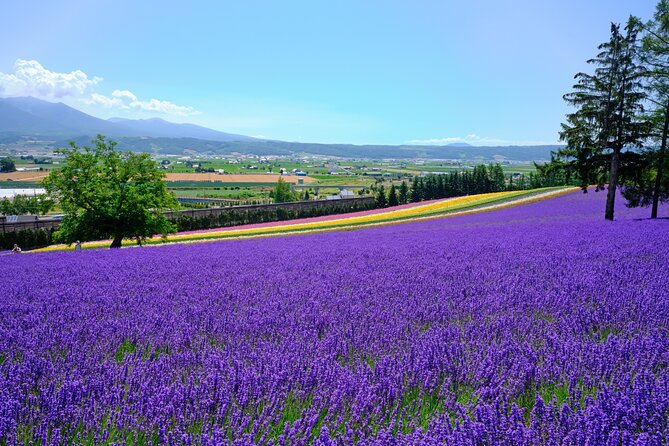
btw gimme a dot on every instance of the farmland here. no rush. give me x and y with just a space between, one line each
240 187
535 324
174 177
248 180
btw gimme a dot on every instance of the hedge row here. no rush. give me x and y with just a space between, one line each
37 238
26 238
236 217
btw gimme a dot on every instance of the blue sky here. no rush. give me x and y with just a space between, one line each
361 72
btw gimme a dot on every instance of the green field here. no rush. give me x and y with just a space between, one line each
19 185
353 173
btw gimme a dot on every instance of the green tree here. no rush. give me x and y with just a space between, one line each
403 193
22 204
7 165
416 190
497 178
282 192
650 184
381 200
106 193
609 106
393 200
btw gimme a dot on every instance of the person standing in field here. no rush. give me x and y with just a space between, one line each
16 249
77 245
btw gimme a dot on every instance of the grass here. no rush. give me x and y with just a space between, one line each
220 193
342 180
551 392
126 347
20 185
173 185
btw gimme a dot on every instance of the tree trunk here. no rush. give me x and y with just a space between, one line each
116 243
613 184
660 164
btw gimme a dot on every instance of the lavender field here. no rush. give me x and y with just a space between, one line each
540 324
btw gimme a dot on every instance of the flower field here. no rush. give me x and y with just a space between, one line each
534 325
376 217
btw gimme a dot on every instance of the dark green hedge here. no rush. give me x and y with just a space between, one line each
236 217
27 238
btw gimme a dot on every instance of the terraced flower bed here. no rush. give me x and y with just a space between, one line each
404 213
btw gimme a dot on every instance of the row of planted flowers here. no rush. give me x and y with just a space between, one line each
433 209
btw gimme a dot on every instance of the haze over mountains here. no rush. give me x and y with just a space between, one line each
27 121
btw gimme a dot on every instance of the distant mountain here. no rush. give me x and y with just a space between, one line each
43 118
157 127
481 154
37 118
459 144
29 122
13 119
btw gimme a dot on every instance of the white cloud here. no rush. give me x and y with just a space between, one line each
104 101
124 99
475 140
30 78
124 94
166 107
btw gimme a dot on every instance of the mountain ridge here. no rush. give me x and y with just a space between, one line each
44 118
27 121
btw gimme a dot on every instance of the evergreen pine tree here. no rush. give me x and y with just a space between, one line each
381 200
497 178
392 196
651 184
609 103
403 193
416 194
441 186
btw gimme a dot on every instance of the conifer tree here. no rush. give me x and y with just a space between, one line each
403 193
392 196
609 105
282 192
497 178
381 200
651 184
416 190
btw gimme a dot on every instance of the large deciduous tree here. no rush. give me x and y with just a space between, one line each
106 193
609 105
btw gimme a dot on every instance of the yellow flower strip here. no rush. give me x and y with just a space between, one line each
439 206
445 208
420 212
